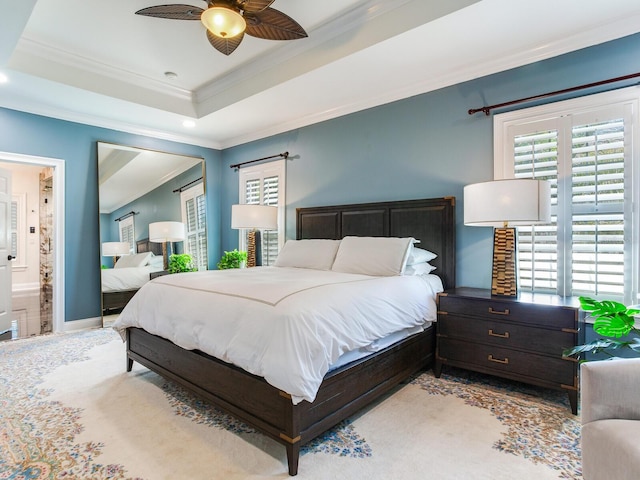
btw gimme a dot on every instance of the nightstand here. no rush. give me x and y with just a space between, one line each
153 275
521 338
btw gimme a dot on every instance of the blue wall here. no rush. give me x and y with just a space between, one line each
424 146
76 144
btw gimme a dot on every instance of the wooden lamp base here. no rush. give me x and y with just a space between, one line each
504 279
251 248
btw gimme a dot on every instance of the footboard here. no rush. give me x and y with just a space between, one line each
270 410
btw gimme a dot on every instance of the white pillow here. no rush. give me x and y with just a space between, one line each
156 261
315 253
377 256
419 269
137 260
419 255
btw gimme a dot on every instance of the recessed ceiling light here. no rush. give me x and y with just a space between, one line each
188 124
3 78
171 75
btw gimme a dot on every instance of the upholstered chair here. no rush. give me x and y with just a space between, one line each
610 414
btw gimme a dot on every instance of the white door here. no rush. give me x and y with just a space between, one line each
5 250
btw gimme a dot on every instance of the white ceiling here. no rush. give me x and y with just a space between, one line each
98 63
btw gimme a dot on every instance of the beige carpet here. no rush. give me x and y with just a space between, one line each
69 410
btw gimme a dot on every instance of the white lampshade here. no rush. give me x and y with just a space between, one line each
522 201
223 22
112 249
160 232
259 217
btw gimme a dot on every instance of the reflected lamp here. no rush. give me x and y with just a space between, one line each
505 204
115 250
163 232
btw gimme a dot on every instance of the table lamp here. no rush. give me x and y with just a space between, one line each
504 204
254 218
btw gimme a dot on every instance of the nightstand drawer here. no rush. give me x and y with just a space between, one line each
506 334
495 309
505 360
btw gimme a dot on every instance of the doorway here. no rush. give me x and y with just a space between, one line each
37 230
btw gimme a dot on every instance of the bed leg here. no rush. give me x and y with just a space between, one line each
129 364
293 454
437 368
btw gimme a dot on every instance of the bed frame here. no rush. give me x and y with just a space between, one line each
114 302
343 391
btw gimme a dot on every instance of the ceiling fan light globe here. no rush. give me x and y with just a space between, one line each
223 22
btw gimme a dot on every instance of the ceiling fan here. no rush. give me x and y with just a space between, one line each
228 20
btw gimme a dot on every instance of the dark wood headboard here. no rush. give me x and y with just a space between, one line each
145 245
432 221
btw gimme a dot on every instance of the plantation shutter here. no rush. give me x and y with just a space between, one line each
598 220
536 156
584 156
127 233
195 219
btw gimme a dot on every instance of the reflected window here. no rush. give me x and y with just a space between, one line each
194 216
127 233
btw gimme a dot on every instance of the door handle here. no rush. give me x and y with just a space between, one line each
10 257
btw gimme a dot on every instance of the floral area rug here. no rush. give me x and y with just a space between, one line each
69 410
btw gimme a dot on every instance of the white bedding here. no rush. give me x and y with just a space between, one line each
130 278
288 325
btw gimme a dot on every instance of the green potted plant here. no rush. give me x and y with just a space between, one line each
613 321
181 262
232 259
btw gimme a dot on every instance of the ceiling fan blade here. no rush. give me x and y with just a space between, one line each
224 45
272 24
174 12
253 6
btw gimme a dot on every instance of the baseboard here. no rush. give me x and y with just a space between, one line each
82 324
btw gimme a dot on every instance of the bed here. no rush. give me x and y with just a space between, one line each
119 285
290 419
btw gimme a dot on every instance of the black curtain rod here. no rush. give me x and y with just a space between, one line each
284 155
126 215
487 108
187 185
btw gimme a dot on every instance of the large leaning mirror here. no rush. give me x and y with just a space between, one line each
137 188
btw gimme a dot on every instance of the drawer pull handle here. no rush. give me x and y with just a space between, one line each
499 335
497 360
498 312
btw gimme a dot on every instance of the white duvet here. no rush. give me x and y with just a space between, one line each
287 325
129 278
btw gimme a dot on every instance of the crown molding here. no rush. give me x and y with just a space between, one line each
37 58
38 108
582 39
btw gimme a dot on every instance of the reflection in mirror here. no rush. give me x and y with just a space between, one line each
137 187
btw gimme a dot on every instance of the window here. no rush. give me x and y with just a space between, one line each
584 148
127 233
265 185
194 216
